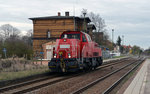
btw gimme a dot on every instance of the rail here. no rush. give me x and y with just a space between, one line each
82 89
108 90
15 86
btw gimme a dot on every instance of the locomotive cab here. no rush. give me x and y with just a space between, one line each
74 51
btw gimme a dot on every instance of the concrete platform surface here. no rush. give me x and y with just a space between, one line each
112 59
141 82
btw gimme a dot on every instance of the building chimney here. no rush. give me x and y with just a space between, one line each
59 14
67 13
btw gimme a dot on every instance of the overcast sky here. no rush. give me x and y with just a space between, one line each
128 18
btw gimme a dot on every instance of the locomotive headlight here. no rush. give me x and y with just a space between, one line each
64 40
55 55
69 55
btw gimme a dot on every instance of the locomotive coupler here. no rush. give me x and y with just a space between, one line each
62 63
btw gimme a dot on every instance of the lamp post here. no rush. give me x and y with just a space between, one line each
112 37
122 39
84 13
123 49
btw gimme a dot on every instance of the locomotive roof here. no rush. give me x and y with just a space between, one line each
74 32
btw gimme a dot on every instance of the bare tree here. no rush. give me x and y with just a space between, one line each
1 37
29 33
98 21
105 36
15 44
8 30
28 37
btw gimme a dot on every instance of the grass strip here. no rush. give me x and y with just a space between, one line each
20 74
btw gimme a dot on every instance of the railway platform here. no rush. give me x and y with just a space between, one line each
113 59
141 82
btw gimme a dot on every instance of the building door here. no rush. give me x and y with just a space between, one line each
49 54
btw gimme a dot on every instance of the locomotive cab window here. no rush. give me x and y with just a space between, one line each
71 36
88 38
83 38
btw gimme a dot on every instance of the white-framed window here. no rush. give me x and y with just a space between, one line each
48 34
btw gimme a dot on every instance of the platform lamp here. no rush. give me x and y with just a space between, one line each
112 38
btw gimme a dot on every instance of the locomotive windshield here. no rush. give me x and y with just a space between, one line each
71 36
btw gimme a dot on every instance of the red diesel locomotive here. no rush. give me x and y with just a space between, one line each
74 51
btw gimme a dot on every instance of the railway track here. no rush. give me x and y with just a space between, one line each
108 90
34 84
5 83
18 85
66 86
88 87
44 81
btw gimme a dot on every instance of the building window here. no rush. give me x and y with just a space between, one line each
48 34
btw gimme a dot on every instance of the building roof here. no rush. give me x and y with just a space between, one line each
60 17
92 26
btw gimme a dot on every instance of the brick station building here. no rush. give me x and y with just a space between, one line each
47 29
